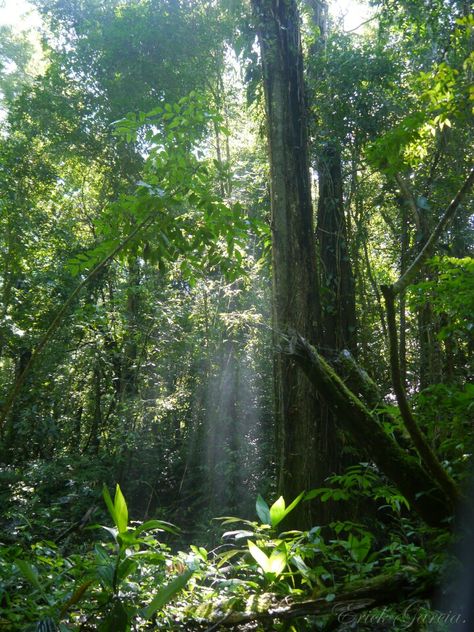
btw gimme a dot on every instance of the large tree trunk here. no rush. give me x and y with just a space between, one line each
303 442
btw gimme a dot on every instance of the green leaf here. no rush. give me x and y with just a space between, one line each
109 503
263 511
296 501
199 551
259 556
271 566
121 510
128 566
227 555
301 565
277 511
359 549
314 493
29 572
277 562
167 593
156 525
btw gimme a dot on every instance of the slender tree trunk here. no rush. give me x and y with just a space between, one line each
430 350
96 426
337 285
129 388
405 243
129 368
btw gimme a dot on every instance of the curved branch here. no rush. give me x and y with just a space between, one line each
428 456
409 276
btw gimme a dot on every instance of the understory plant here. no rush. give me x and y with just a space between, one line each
135 581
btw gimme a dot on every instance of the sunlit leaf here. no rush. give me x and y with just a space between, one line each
277 562
121 510
295 502
277 511
259 556
109 503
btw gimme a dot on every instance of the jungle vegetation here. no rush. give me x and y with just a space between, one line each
236 316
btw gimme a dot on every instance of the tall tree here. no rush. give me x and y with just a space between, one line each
303 436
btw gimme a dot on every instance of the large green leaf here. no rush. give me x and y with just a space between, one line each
167 593
277 562
259 556
109 503
263 512
121 510
272 566
277 511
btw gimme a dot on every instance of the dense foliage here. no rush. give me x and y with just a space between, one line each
140 333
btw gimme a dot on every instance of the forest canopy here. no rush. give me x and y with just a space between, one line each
236 315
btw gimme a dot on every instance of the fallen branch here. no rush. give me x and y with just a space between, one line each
344 607
357 379
361 384
424 494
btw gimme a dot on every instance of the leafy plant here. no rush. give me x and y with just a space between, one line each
132 551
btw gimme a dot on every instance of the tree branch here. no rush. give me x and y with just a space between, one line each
424 494
409 276
409 198
429 458
354 599
390 292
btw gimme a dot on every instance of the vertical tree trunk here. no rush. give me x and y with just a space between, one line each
96 425
338 317
129 386
337 284
430 369
405 243
303 441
